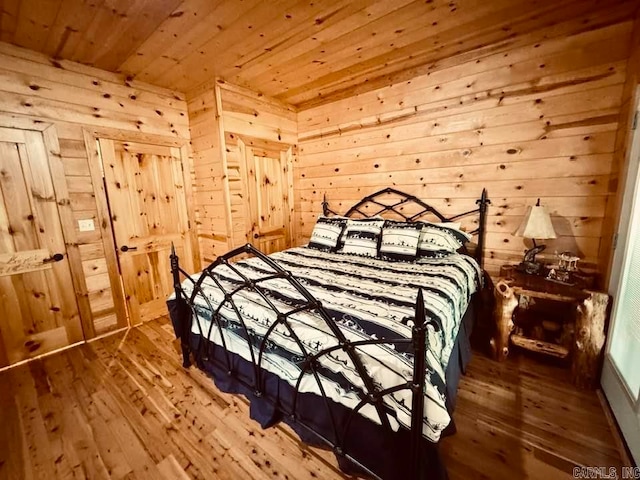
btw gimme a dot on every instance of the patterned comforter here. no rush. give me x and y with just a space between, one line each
367 298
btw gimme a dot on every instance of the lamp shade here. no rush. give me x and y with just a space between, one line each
536 224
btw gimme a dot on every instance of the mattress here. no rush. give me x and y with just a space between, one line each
366 298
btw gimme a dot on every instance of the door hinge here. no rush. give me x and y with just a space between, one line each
634 123
615 241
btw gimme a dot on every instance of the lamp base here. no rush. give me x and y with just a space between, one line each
531 268
529 264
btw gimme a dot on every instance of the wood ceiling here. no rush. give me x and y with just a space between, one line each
301 52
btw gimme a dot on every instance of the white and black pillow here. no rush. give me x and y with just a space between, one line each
361 237
437 240
399 241
326 233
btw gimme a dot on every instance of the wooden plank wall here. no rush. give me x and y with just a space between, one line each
535 117
622 150
221 114
209 175
35 88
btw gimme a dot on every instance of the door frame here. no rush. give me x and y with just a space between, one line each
620 399
286 156
96 168
67 222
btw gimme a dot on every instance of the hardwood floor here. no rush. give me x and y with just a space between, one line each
524 419
122 407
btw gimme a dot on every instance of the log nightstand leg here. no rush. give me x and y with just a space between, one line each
590 336
506 303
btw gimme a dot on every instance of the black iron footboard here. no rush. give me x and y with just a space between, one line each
372 395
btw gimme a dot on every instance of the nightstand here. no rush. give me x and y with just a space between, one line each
551 318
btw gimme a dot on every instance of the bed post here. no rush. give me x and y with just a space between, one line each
482 203
184 330
418 385
325 205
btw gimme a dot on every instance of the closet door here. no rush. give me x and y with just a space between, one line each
146 192
38 309
269 192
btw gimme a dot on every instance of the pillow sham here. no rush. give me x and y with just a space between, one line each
326 233
400 240
361 237
437 240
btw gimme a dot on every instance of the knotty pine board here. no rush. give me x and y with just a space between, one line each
338 19
210 184
526 121
260 123
221 114
523 27
303 53
510 73
36 89
558 23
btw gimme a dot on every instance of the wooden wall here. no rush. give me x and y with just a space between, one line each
222 114
544 114
35 88
622 150
532 117
211 186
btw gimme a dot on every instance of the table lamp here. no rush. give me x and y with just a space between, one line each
535 225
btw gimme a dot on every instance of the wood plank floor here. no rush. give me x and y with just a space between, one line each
123 408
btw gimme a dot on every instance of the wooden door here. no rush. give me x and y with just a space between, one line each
38 309
269 184
146 191
620 375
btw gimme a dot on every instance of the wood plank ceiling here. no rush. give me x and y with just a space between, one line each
301 52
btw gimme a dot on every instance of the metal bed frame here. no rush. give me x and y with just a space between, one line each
370 395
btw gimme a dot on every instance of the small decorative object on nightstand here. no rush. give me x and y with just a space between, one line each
536 224
565 270
573 328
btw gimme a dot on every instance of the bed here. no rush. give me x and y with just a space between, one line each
337 342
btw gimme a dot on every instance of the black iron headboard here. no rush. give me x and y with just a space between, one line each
401 199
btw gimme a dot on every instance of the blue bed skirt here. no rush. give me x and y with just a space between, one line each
385 454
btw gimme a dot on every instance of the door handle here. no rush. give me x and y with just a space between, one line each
125 248
54 258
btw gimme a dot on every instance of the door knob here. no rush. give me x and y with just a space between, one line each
54 258
256 235
125 248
